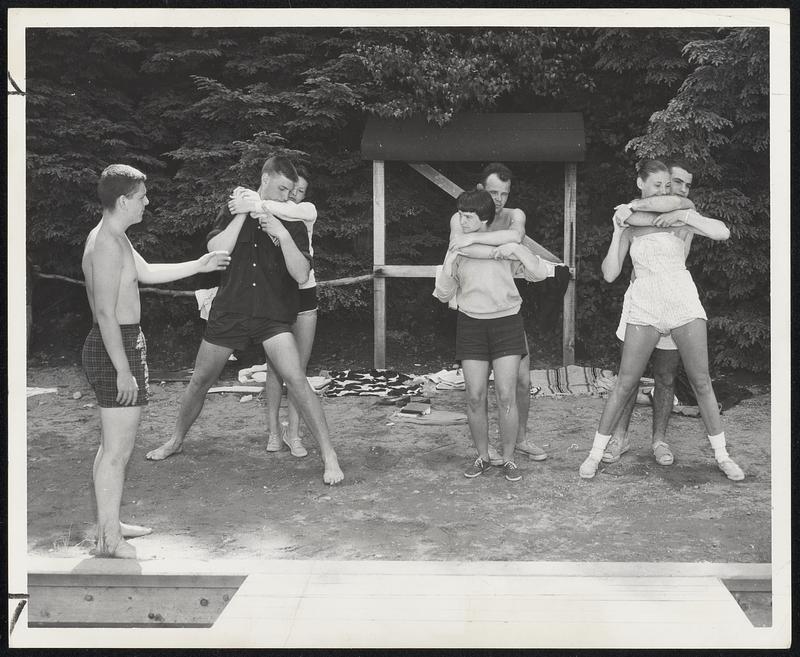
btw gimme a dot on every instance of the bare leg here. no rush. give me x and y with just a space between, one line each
523 397
665 367
524 445
639 344
693 346
691 341
476 386
127 530
506 371
620 441
210 360
118 433
304 330
620 432
281 350
274 389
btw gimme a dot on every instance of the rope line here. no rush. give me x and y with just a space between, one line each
352 280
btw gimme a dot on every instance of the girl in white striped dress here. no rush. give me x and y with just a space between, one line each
663 301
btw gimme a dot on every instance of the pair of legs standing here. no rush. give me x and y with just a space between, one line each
665 368
304 330
282 354
640 341
506 380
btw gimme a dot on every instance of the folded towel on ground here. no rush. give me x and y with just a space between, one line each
434 417
573 380
380 383
448 379
255 374
31 392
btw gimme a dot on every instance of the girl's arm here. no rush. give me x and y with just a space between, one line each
291 211
617 250
459 239
661 204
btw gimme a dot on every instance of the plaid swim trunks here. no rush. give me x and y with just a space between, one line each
101 372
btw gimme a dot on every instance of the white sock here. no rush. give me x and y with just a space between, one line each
718 443
599 446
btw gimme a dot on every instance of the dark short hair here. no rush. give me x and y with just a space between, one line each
499 169
478 201
302 172
683 164
118 180
281 165
646 168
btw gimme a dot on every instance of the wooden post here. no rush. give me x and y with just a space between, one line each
570 202
379 259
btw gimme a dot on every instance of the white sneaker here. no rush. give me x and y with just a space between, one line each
731 470
295 446
534 452
274 443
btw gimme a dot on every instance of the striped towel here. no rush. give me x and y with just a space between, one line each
573 380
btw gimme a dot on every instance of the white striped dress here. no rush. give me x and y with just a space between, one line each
663 295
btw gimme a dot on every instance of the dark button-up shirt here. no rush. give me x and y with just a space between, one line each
257 283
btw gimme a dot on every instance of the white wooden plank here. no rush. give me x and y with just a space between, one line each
80 565
344 601
437 178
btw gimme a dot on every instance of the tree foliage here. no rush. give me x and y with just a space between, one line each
199 109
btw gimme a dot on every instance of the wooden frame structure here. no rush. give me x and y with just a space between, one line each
468 138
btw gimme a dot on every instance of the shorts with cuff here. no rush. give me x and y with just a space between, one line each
237 331
308 300
488 339
665 341
102 374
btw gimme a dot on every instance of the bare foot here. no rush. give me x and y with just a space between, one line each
333 473
111 548
134 531
127 531
165 451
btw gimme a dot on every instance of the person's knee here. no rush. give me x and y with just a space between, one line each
664 379
626 384
294 378
117 455
476 400
200 382
506 397
702 384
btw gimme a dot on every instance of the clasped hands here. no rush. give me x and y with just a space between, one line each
247 201
623 212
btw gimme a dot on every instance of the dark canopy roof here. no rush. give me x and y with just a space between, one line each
477 137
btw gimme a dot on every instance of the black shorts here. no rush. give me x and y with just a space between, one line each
101 372
237 331
488 339
308 300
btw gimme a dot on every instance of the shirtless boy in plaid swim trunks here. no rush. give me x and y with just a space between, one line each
114 354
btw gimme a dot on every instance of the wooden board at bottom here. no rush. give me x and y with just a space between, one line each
404 609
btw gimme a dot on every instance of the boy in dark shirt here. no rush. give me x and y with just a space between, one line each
257 301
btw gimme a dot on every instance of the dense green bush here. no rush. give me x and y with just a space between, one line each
199 109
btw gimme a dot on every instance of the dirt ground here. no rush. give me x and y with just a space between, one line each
404 496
